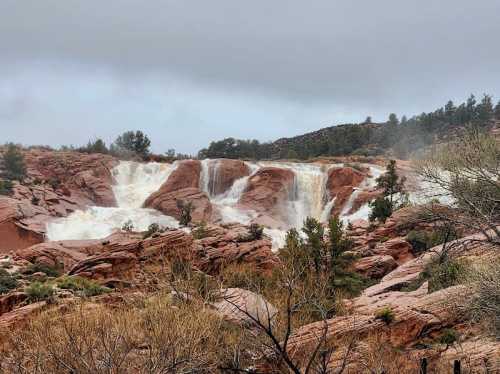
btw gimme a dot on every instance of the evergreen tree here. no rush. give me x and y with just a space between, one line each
13 163
368 119
315 241
497 111
393 119
137 143
485 110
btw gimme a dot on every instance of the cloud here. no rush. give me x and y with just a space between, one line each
319 60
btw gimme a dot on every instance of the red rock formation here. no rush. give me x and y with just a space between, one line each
224 245
186 175
340 185
267 191
20 224
166 202
86 178
375 266
224 173
182 184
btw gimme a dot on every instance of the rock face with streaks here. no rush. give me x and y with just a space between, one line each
267 191
223 173
184 185
57 184
340 185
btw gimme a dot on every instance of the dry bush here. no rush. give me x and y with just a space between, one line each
485 305
158 338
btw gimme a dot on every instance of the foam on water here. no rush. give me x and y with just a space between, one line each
134 183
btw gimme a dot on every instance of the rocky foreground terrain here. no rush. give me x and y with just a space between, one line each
130 263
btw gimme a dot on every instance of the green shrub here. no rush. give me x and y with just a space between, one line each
440 275
200 231
6 187
422 240
128 226
386 315
13 163
255 232
38 291
449 337
381 209
82 285
185 208
51 271
7 281
152 229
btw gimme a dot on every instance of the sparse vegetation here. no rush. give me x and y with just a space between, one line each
6 187
51 271
185 208
83 286
485 306
131 144
7 281
200 231
38 291
386 315
128 226
152 229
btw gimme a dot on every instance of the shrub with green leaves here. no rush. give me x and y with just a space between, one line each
200 231
152 229
386 315
6 187
51 271
38 291
13 163
7 281
83 286
449 337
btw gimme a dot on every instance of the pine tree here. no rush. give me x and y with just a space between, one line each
393 119
13 163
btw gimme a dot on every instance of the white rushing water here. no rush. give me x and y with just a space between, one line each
134 183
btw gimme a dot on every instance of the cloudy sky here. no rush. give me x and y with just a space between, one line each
188 72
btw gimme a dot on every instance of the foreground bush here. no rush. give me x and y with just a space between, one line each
84 286
38 291
485 307
155 338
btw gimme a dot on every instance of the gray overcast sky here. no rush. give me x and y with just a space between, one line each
188 72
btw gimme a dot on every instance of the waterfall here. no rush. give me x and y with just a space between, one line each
227 201
134 183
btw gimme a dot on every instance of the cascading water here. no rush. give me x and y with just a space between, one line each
134 183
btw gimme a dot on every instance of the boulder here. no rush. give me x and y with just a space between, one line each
375 266
21 224
166 202
242 307
182 184
223 173
340 185
86 178
267 192
398 248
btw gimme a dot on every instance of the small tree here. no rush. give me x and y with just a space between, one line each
186 209
368 119
467 172
393 193
95 146
135 142
13 163
393 119
391 182
315 241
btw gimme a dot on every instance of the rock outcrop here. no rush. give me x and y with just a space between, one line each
340 185
86 178
223 173
267 191
183 185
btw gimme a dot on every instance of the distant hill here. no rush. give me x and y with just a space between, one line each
396 137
